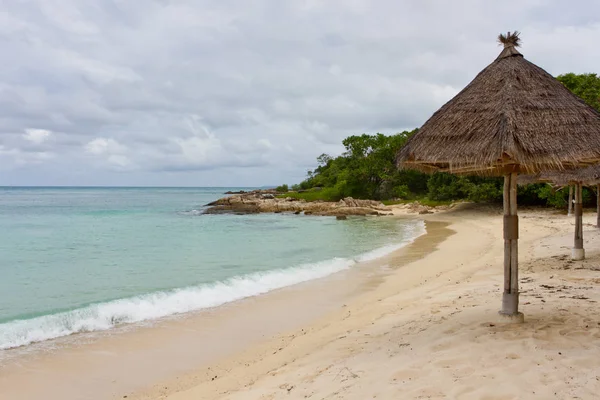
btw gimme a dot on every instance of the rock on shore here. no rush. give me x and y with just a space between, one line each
265 201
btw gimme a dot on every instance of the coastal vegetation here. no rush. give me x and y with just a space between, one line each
367 170
586 86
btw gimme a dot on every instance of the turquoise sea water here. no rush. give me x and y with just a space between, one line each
86 259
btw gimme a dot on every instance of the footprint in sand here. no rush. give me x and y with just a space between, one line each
573 333
408 374
443 346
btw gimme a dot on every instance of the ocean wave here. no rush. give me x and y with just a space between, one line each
412 231
193 212
103 316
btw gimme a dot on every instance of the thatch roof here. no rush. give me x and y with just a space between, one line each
585 176
590 175
530 179
512 116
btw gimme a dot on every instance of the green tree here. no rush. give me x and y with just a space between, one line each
366 169
324 159
586 86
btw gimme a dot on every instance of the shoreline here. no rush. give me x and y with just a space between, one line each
83 350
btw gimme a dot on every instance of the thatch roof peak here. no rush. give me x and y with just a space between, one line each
513 115
510 41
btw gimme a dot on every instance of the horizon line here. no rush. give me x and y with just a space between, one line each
127 186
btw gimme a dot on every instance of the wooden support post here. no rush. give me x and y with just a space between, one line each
570 207
598 205
578 253
510 297
507 248
514 245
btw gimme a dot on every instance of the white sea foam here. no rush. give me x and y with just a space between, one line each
412 231
104 316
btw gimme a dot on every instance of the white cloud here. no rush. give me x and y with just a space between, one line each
68 18
266 143
119 161
18 158
37 136
95 70
199 149
101 146
111 154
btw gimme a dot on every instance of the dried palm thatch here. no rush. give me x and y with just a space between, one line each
530 179
512 116
585 176
589 175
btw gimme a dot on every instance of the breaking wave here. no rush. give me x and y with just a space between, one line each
104 316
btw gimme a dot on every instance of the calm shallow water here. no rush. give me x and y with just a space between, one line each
85 259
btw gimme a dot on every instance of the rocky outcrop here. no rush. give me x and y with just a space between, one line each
418 208
267 202
256 191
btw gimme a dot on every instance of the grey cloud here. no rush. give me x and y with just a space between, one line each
202 92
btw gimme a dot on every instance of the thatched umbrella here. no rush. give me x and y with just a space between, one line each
574 179
592 178
512 118
589 176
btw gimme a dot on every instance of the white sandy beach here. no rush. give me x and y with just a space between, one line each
425 328
429 330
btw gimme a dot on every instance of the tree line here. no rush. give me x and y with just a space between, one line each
367 170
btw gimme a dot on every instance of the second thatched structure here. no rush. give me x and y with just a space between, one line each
512 118
575 180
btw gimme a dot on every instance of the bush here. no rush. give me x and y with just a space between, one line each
485 192
325 194
402 192
283 188
442 186
553 197
588 197
530 194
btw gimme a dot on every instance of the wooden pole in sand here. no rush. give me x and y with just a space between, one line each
578 253
598 205
570 209
510 297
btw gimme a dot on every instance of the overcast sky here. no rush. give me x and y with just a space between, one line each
246 92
